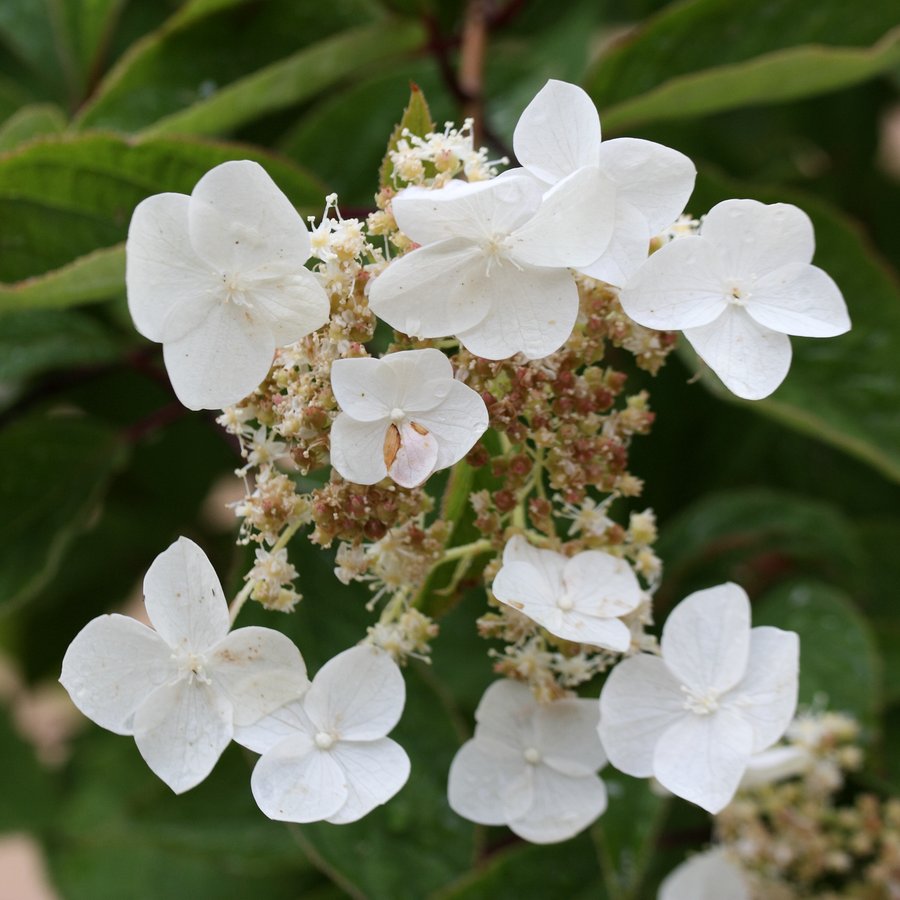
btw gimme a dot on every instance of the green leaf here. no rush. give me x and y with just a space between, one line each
839 662
31 122
209 48
709 55
757 538
96 276
416 120
843 390
30 33
38 341
293 80
65 197
56 470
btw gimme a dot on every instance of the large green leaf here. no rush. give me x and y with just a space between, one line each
66 197
844 390
708 55
839 662
209 47
55 472
31 122
293 80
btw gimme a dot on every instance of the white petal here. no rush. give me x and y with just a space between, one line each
375 771
751 360
182 730
755 238
681 285
706 638
365 388
627 250
526 588
505 714
654 179
487 782
767 694
805 302
561 807
259 669
297 782
706 876
222 360
162 270
456 422
293 303
358 694
558 132
433 291
566 735
548 562
601 584
532 311
423 378
184 598
776 764
703 758
357 449
264 734
415 458
573 225
473 211
112 666
240 221
639 701
574 625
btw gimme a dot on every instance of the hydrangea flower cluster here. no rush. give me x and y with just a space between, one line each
504 293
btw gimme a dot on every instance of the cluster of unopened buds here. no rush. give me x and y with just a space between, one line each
504 292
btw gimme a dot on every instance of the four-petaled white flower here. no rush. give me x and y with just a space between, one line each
180 690
494 266
578 598
706 876
559 133
218 279
737 290
531 766
404 415
326 754
720 693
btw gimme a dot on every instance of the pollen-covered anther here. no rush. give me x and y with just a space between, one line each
391 445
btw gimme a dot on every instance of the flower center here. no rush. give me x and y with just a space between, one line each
192 666
701 704
397 415
324 741
496 249
532 756
565 603
736 295
235 289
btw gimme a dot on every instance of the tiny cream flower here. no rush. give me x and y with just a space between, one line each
559 133
180 690
720 693
493 268
706 876
579 598
737 290
403 416
531 766
326 754
218 279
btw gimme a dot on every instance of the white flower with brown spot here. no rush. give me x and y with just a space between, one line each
403 416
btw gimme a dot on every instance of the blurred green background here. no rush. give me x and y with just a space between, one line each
104 102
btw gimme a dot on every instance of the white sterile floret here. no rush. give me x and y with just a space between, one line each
559 133
218 279
579 598
737 289
494 266
326 754
180 690
531 766
403 416
720 693
706 876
